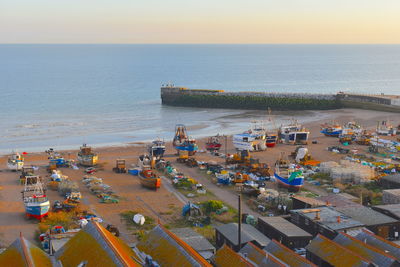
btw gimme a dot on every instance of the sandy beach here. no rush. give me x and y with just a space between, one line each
163 204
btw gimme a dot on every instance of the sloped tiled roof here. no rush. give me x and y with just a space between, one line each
226 257
334 253
169 250
286 255
364 250
260 257
98 247
22 253
380 243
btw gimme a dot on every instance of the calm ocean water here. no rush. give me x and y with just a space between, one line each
64 95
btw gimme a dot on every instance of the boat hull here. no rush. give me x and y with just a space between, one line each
152 183
331 133
190 148
37 210
271 141
295 184
88 160
213 146
15 166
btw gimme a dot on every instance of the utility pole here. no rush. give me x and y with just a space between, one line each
240 220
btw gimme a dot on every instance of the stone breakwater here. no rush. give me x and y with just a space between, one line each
180 96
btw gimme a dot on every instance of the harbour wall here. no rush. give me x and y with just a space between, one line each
181 96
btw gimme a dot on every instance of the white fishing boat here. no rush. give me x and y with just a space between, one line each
15 162
36 203
294 133
251 140
385 128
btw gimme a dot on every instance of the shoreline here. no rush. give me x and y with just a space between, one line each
232 124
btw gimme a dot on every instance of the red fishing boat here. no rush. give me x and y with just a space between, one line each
213 143
149 179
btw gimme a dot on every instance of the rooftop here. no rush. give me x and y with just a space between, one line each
260 257
249 233
395 178
366 215
392 208
379 243
225 256
334 253
284 226
169 250
286 255
358 212
393 191
380 258
329 217
311 201
196 241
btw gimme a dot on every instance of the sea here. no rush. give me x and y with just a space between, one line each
62 96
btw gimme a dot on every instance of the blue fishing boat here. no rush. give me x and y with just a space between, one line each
333 130
157 148
183 142
288 176
36 203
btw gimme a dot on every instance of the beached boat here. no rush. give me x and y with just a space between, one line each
213 143
149 179
145 162
86 157
287 175
332 130
15 162
271 139
385 128
294 133
183 142
157 148
36 203
352 128
252 140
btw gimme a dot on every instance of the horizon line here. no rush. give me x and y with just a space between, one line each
199 43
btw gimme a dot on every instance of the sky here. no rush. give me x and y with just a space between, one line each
200 21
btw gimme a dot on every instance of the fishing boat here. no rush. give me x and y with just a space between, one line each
271 139
352 128
213 143
145 162
157 148
183 142
331 130
86 157
149 179
15 162
287 175
36 203
253 139
294 133
385 128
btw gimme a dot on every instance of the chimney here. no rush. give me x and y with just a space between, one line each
317 217
338 219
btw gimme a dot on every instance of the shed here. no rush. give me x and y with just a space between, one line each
378 257
284 232
228 234
259 257
392 210
378 223
391 196
324 220
198 242
379 243
324 252
286 255
301 202
391 181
